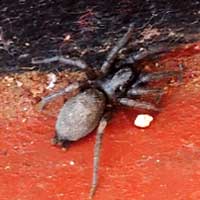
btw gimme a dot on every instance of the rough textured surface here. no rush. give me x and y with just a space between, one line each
160 162
80 115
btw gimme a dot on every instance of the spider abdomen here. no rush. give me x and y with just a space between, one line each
80 115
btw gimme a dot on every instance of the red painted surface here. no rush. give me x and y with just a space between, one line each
159 162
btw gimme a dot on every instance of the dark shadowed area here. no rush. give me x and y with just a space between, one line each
86 29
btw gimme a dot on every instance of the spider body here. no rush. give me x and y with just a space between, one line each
80 115
115 85
111 86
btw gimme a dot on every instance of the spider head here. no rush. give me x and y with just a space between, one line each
115 85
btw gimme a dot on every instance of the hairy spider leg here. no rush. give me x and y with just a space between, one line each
97 148
143 55
157 93
144 91
144 78
70 88
68 61
114 51
63 143
137 104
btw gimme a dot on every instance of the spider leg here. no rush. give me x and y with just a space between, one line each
137 104
144 78
63 143
113 53
151 52
67 61
100 131
60 92
141 91
157 92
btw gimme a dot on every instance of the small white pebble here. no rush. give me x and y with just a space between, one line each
143 120
25 109
24 120
50 177
197 47
71 162
15 147
27 44
64 165
52 80
7 167
19 83
60 195
141 49
67 37
9 79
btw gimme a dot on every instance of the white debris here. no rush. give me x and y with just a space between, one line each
67 37
52 80
157 161
71 162
143 120
7 167
19 83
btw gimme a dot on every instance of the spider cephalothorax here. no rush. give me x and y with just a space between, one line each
103 90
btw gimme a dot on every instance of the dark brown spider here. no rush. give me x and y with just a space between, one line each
110 86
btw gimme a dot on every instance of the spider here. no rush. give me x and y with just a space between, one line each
106 88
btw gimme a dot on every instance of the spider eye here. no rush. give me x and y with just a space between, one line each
120 89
